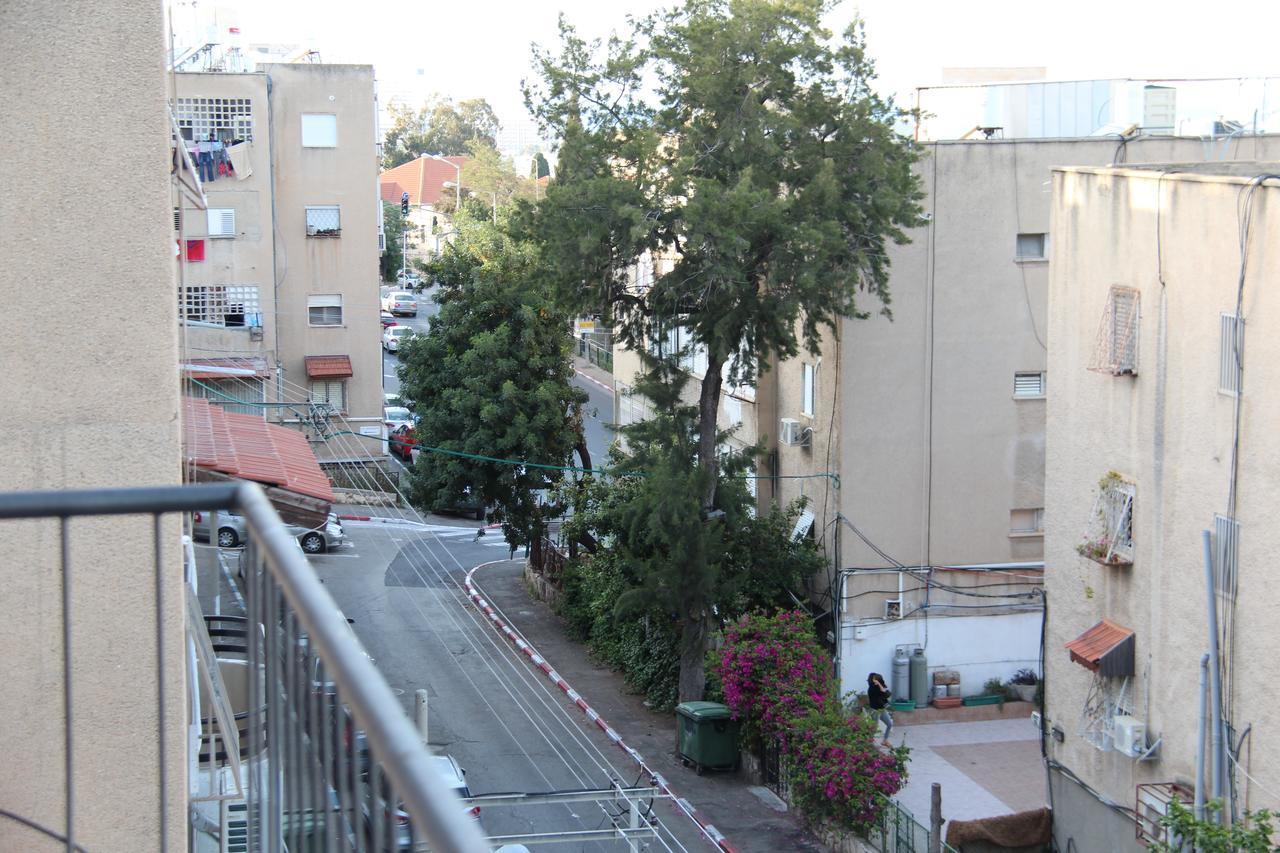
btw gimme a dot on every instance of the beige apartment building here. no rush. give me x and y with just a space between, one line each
82 411
1161 426
280 274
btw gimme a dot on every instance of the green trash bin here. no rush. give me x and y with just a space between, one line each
706 736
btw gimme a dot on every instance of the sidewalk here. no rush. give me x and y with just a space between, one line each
599 376
746 817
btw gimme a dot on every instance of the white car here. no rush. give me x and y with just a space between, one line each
408 278
393 336
394 416
400 302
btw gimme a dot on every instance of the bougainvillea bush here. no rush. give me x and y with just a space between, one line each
777 682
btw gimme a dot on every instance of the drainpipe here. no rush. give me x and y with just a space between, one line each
1215 682
1204 689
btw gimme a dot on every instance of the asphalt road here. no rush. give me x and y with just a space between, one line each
504 722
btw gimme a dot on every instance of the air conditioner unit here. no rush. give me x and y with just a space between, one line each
892 608
793 434
1130 736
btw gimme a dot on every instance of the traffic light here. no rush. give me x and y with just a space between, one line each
404 204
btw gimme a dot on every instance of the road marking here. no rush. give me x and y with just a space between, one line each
593 380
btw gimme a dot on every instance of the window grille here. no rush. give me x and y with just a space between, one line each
1230 354
1109 537
222 221
324 310
1116 349
1028 384
1030 247
331 391
1226 540
228 119
221 305
323 220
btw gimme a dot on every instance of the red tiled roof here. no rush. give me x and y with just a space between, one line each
248 447
328 366
422 178
256 364
1106 647
391 191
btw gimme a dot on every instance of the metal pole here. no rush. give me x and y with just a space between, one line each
1215 682
1204 689
935 819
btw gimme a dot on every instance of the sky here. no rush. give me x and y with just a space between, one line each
481 48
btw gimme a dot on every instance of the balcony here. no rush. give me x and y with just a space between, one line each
294 740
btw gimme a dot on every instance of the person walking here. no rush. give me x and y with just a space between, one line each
878 701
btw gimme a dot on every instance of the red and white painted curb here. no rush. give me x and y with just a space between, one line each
708 829
593 380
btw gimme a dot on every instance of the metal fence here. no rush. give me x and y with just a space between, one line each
900 832
302 744
593 352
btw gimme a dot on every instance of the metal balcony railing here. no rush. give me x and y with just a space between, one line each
302 745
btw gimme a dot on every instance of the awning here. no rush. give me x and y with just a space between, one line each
1106 648
328 366
224 445
222 368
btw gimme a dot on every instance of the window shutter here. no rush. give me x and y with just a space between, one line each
222 221
1028 384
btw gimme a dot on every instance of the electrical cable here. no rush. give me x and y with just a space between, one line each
39 827
1017 221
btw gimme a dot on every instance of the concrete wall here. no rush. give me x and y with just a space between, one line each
1168 431
88 402
345 175
935 452
246 258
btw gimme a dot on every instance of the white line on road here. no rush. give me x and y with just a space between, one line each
593 380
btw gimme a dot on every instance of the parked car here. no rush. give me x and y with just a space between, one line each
454 778
399 302
394 400
396 416
401 442
408 278
233 530
387 319
393 336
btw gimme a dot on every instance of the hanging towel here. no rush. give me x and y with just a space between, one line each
239 156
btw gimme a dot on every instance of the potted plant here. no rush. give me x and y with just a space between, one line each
993 693
1024 684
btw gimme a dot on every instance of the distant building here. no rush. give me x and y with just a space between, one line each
424 179
279 285
1161 425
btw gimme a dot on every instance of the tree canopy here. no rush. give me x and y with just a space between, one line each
439 126
491 378
762 161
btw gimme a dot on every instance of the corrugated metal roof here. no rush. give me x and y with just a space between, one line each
328 366
1106 648
248 447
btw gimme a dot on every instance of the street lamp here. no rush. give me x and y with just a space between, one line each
457 186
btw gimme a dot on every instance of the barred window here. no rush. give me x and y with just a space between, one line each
331 391
228 119
222 305
324 220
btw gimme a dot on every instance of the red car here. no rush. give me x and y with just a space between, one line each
401 442
387 320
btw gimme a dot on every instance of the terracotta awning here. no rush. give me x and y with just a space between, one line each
224 445
193 365
328 366
1106 648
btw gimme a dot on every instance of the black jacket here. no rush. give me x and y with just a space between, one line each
877 696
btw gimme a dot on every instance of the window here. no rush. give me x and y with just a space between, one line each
1230 354
222 222
1026 522
228 119
808 391
323 220
1226 541
324 310
319 130
233 306
1108 538
1116 348
177 219
1028 384
331 391
1030 247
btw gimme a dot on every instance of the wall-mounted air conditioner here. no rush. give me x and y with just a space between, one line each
793 434
1130 735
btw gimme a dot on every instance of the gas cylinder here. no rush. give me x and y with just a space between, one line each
919 679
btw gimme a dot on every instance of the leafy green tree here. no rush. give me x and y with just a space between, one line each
491 379
488 177
763 160
437 127
393 227
1252 835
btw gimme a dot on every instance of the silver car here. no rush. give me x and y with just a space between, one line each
232 532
